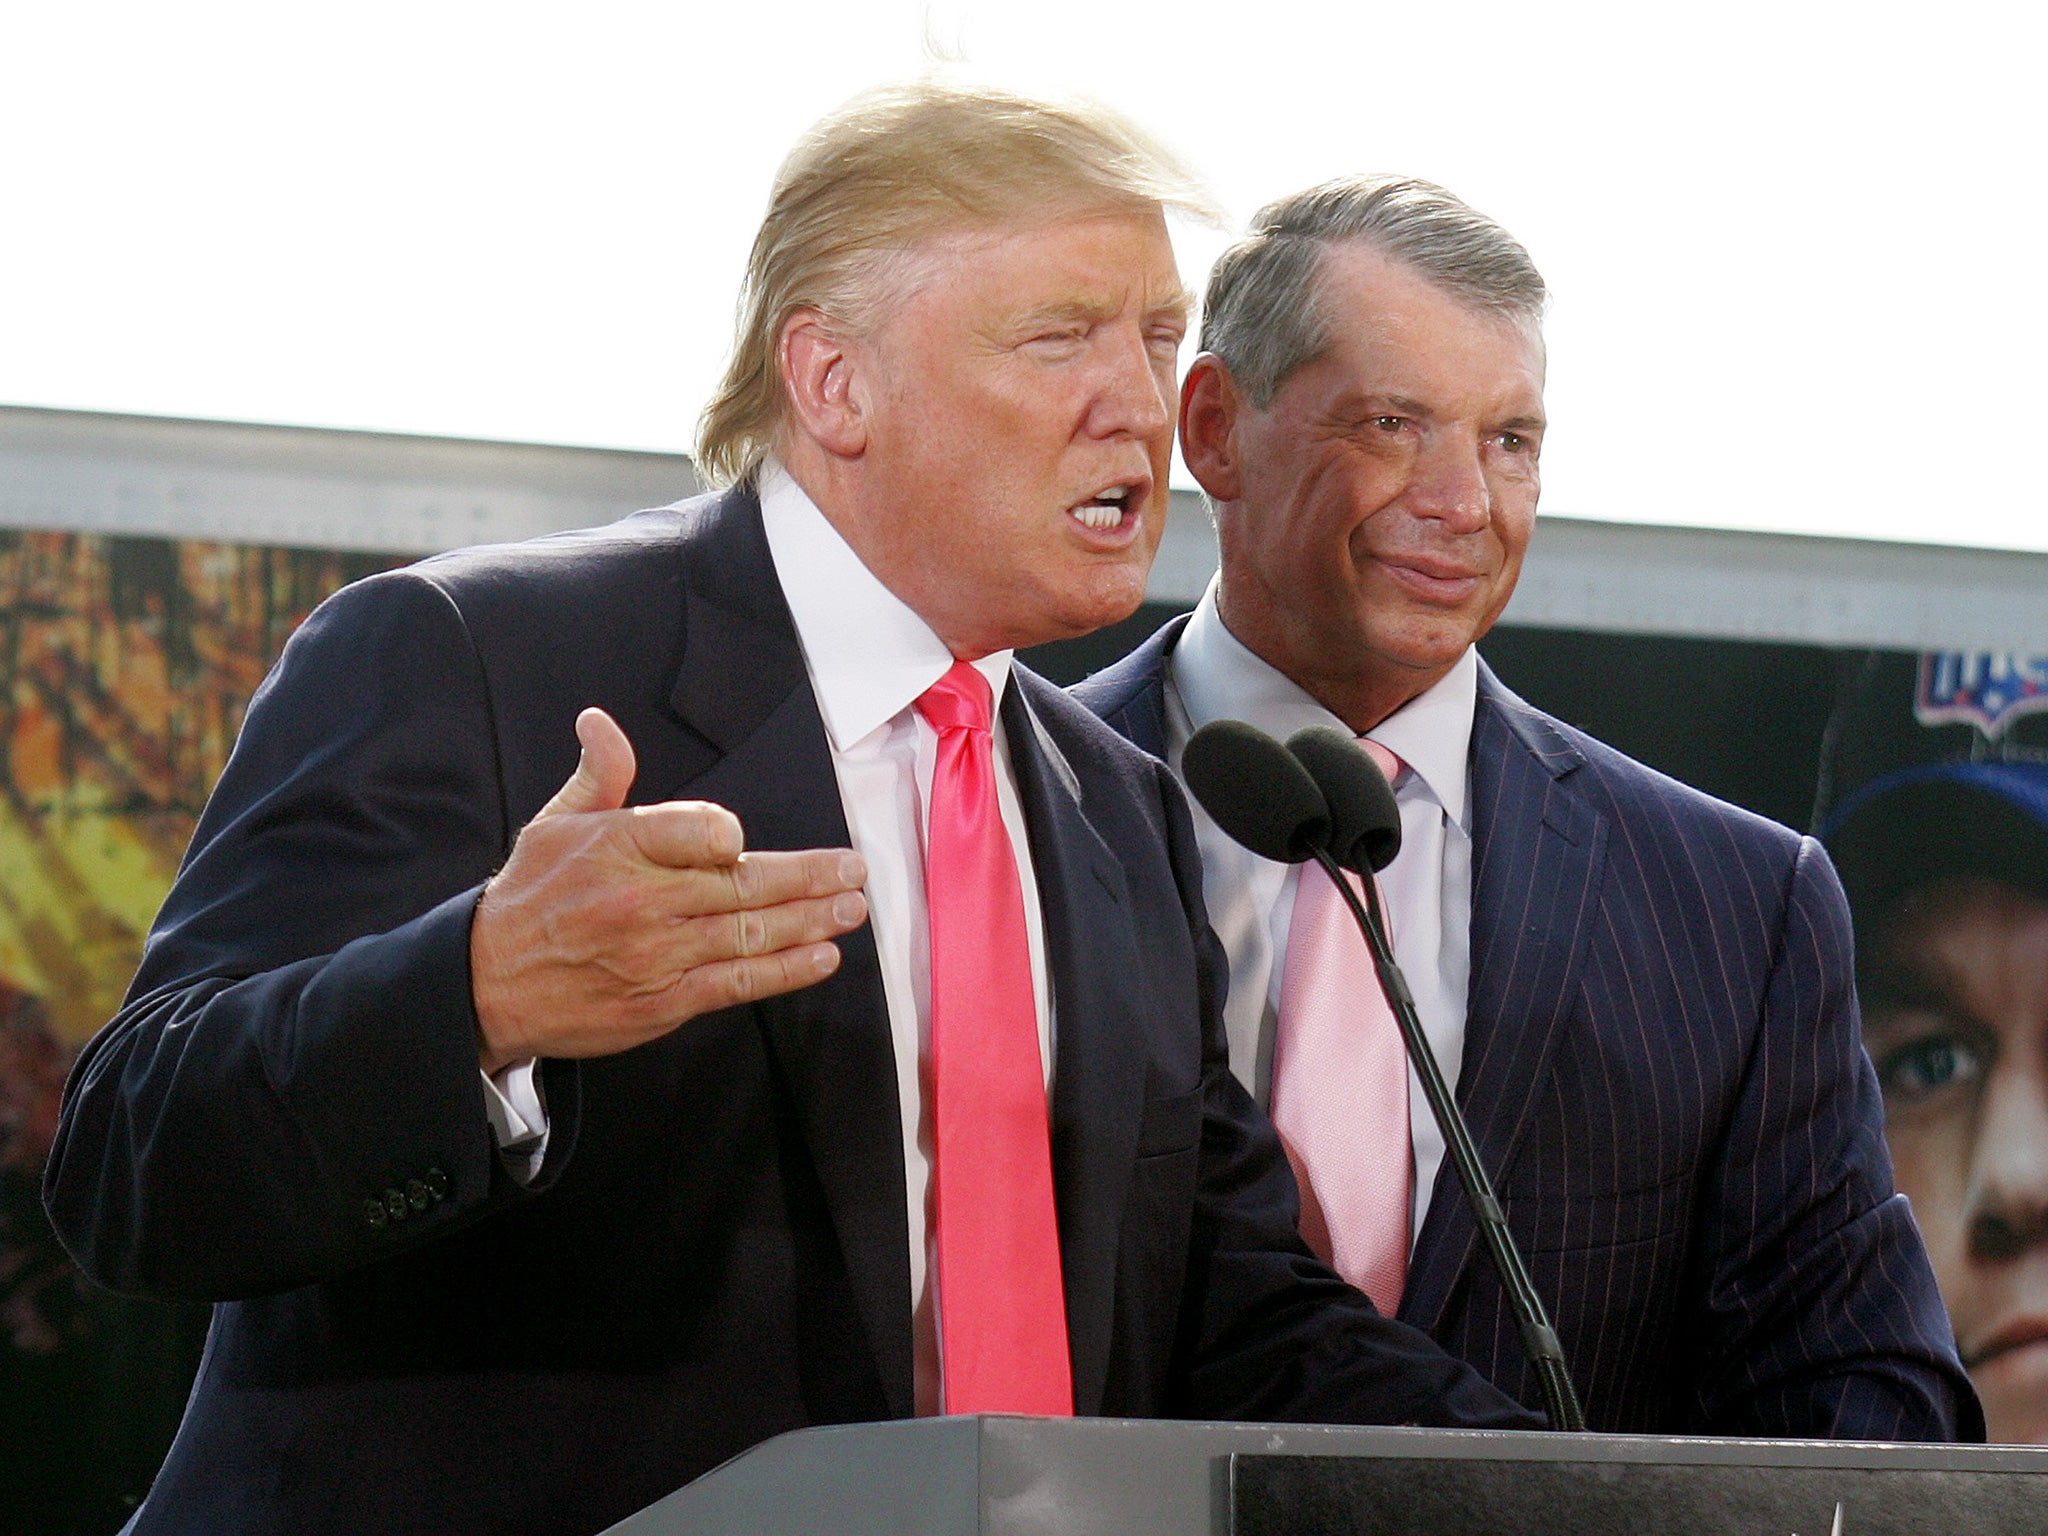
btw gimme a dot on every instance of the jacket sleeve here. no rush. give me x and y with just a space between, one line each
1821 1316
1268 1332
291 1087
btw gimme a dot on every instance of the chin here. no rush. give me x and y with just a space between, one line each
2014 1423
1102 604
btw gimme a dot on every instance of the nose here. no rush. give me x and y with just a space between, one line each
1449 483
1135 396
2009 1178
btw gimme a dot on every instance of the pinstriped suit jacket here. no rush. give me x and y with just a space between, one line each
1664 1074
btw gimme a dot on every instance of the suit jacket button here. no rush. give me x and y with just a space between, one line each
416 1195
437 1184
373 1213
394 1203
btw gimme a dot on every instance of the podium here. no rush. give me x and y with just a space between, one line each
995 1476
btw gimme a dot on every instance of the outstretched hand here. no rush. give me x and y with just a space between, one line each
609 927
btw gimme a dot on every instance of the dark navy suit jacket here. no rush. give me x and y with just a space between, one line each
286 1117
1665 1077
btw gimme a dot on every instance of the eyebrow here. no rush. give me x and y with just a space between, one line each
1062 310
1908 983
1178 305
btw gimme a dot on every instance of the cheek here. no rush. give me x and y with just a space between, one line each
1515 520
1931 1164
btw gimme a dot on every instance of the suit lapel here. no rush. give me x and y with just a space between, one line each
1537 852
1099 1078
761 751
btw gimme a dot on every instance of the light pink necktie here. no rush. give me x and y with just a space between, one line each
1340 1089
1002 1303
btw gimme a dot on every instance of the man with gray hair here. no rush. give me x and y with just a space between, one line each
541 1148
1643 996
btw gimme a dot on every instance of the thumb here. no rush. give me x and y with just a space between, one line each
604 772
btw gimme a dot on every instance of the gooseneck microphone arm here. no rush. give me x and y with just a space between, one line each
1539 1339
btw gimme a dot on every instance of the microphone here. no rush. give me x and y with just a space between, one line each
1256 791
1250 773
1365 823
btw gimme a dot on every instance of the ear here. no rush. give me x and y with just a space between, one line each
1210 408
819 380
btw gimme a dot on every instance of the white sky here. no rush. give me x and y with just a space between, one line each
1795 247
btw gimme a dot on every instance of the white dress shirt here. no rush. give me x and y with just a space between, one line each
869 657
1427 889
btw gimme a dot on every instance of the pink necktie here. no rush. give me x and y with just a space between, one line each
1002 1304
1340 1090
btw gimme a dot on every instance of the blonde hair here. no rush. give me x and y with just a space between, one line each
885 173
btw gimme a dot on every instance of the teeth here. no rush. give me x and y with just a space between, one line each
1105 509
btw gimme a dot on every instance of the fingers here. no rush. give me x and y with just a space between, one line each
729 983
753 932
770 879
604 771
754 883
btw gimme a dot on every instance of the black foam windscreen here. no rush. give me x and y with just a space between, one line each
1365 823
1256 790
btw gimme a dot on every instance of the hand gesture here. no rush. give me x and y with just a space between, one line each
609 927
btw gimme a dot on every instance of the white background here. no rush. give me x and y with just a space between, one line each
1796 249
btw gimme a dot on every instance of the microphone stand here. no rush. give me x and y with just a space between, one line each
1539 1339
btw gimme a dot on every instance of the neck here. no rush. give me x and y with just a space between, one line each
839 492
1359 690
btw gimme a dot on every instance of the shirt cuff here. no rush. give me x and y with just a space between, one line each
519 1120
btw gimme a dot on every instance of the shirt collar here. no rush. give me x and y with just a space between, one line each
868 653
1219 678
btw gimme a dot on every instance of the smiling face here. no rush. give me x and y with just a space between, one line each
1015 426
1373 516
1956 1018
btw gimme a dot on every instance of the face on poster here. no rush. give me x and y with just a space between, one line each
1946 863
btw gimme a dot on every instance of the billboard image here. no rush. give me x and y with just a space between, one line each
1940 831
125 666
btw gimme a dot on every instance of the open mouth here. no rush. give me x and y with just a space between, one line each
1106 508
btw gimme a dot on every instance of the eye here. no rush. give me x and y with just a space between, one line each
1061 343
1389 423
1514 442
1919 1069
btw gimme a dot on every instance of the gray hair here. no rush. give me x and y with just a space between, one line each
1263 314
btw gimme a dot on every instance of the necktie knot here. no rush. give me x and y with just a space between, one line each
959 701
1388 763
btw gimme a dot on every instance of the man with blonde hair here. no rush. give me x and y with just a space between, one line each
540 1147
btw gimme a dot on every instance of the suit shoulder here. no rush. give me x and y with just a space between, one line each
622 583
566 566
1636 793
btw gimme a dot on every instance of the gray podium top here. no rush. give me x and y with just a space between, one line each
996 1476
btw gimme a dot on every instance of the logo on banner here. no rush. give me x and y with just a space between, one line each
1987 689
